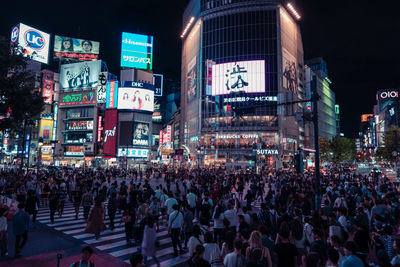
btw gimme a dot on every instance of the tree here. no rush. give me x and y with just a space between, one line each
20 102
391 145
324 148
342 149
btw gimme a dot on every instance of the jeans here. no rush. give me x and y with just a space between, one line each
18 244
175 232
3 246
187 236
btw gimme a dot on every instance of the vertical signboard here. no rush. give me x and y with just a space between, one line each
110 130
102 87
112 94
48 86
158 80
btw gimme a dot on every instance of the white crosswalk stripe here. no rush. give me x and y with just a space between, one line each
111 242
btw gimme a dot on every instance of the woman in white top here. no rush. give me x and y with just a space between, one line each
194 240
218 216
3 233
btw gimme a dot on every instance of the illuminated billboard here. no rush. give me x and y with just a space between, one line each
80 75
48 86
46 127
110 129
102 87
132 153
112 94
289 71
140 134
240 76
135 99
30 42
79 49
137 51
365 117
78 99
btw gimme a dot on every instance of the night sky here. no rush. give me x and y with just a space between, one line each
358 39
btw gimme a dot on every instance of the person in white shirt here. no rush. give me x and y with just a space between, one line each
175 223
235 258
231 215
194 240
170 202
191 199
212 252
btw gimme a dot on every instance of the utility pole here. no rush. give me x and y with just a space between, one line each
315 98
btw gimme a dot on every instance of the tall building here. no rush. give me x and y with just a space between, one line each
239 60
317 68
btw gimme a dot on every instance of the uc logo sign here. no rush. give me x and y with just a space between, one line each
34 39
14 34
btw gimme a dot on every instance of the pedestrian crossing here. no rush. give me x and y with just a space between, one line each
111 242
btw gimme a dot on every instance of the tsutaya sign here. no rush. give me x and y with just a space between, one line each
236 136
267 151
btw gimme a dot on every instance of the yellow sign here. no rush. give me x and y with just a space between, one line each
46 128
165 151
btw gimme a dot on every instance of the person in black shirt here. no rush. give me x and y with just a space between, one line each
286 252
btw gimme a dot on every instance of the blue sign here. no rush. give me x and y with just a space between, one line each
137 51
34 39
112 94
14 34
137 85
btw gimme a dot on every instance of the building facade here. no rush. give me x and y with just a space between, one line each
241 61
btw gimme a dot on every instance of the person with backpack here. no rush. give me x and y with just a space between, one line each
87 252
87 201
256 253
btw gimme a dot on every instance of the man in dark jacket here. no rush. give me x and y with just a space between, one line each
112 208
20 223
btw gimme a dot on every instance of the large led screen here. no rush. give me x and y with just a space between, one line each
137 51
67 47
140 134
32 43
240 76
80 75
135 99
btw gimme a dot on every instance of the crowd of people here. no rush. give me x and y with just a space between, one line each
221 218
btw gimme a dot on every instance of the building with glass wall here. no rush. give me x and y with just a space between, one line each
241 60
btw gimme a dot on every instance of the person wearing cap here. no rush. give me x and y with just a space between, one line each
350 249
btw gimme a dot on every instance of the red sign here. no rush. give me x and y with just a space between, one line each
110 132
48 86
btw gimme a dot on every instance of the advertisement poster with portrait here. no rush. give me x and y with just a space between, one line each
79 49
289 71
140 134
192 79
135 99
80 75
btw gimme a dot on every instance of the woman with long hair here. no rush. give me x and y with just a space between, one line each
256 253
194 240
96 220
197 259
149 241
218 217
299 239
